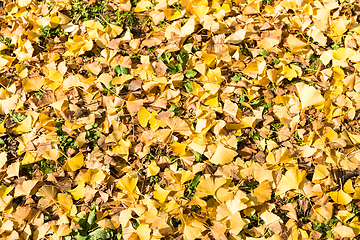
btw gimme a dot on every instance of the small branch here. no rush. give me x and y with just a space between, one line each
349 175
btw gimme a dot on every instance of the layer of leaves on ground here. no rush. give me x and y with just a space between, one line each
189 119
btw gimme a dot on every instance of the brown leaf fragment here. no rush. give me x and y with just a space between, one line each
160 68
135 85
260 157
114 44
151 42
284 134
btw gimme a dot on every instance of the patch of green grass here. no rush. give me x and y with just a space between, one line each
82 11
66 142
173 108
191 185
93 135
17 117
47 31
126 19
5 40
90 229
254 135
325 228
336 45
46 166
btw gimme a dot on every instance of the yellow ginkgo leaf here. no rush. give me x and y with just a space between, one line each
4 191
290 181
209 186
9 104
144 116
128 184
177 125
48 192
65 201
152 169
92 176
25 188
143 231
3 159
79 191
340 197
309 96
348 187
223 155
179 149
142 6
74 163
294 43
263 192
321 172
160 194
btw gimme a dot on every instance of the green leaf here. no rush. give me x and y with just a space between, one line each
119 70
190 73
182 57
173 108
197 157
100 234
92 217
264 52
188 86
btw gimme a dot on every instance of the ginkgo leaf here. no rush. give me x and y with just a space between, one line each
9 104
65 201
160 194
25 188
209 186
79 191
3 159
143 231
290 181
144 116
128 184
74 163
263 192
177 125
153 169
92 176
309 96
223 155
294 43
340 197
49 192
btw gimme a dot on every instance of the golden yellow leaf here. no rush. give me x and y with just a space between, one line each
209 186
321 172
152 169
48 192
340 197
144 116
309 96
79 191
263 192
3 159
143 231
4 191
290 181
92 176
222 155
9 104
74 163
65 201
25 188
160 194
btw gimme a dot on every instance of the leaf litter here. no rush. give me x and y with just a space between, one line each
179 119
